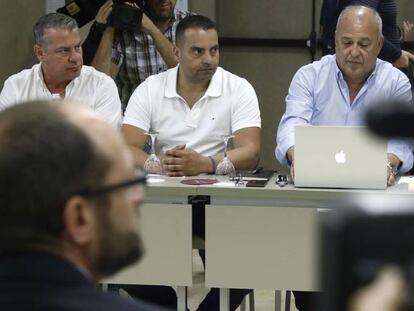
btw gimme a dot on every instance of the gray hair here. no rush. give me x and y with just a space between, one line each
354 8
52 20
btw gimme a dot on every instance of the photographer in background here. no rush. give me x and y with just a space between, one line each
130 57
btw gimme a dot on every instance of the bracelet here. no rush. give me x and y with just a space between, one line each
213 163
393 170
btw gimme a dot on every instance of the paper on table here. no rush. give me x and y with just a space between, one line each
406 179
155 180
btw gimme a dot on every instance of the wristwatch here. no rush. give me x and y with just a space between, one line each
392 168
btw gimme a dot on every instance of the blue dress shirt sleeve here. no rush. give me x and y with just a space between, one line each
318 95
299 110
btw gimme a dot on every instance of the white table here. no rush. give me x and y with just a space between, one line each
268 237
264 238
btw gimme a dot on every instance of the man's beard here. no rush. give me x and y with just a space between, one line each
116 249
157 17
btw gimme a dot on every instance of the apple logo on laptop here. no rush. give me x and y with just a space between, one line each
340 157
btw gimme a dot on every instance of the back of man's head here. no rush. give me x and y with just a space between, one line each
52 20
44 158
192 21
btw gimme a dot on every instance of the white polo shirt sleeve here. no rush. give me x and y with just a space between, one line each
107 103
8 94
138 111
245 110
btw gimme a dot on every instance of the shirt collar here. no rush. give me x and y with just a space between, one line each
216 84
340 77
39 75
41 79
214 89
173 18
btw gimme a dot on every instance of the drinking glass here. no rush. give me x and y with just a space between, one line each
153 164
226 167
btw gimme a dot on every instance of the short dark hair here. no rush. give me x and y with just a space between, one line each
192 21
44 159
52 20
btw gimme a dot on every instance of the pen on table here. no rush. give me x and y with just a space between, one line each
258 170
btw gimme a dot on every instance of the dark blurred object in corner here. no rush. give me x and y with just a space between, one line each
392 120
359 239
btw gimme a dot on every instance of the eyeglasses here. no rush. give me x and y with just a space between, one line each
140 178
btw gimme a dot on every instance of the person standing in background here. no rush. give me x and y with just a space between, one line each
130 57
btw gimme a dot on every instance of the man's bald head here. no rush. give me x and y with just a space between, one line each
360 14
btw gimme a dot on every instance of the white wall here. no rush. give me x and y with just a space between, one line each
53 5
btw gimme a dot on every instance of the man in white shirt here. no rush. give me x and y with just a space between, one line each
60 73
192 106
78 221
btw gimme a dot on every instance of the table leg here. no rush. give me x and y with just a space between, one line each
278 300
243 305
251 301
181 298
287 302
224 299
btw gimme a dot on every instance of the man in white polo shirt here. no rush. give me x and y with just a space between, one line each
60 73
192 106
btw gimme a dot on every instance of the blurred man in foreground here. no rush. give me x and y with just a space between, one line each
69 199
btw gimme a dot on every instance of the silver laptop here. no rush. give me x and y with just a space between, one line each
339 157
